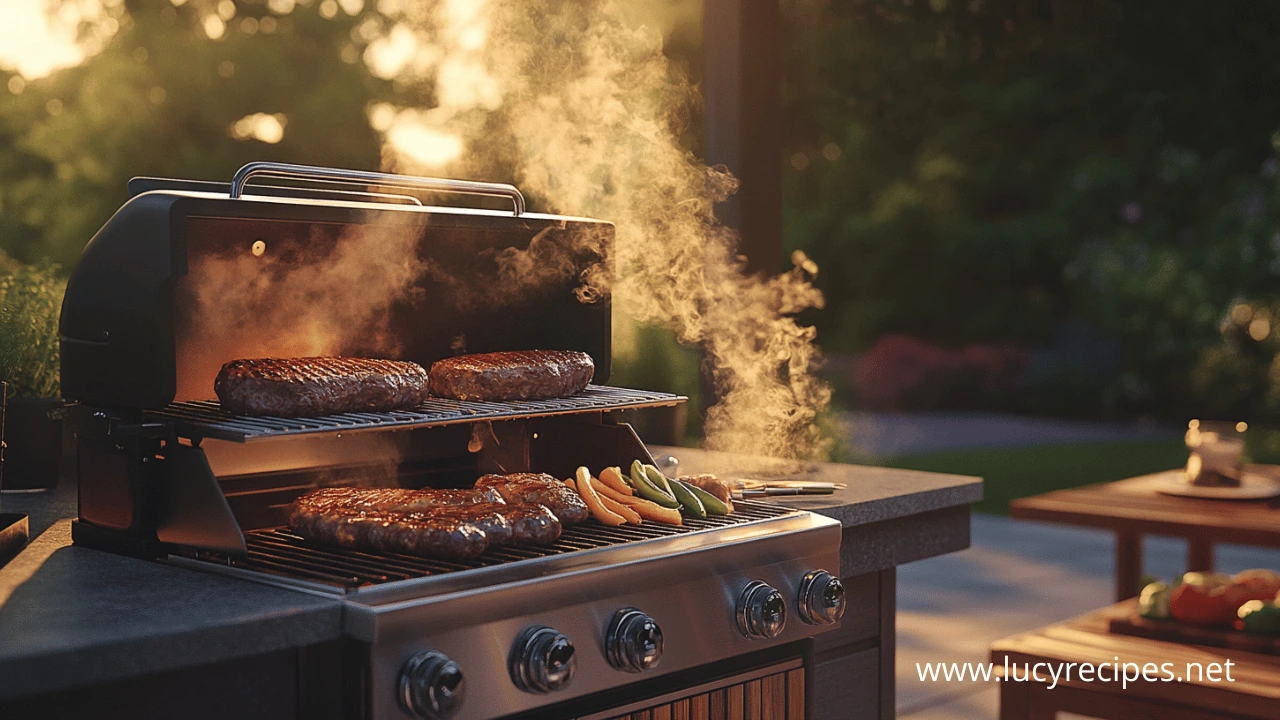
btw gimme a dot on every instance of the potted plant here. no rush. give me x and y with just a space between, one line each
30 301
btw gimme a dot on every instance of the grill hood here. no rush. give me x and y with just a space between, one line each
148 316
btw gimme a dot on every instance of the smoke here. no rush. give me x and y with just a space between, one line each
583 107
248 302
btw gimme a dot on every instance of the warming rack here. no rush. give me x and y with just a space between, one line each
206 419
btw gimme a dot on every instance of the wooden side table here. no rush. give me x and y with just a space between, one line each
1132 508
1254 692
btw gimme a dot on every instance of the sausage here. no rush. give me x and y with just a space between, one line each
538 489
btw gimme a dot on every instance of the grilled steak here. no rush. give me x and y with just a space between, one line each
524 375
388 499
431 523
538 489
302 387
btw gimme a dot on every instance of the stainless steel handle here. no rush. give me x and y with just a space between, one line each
338 175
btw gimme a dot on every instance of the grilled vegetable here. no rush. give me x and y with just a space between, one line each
647 490
1259 617
659 480
713 504
689 503
588 493
654 511
1154 601
612 477
614 506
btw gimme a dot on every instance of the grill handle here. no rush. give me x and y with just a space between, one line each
338 175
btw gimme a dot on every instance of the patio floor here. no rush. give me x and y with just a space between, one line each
1016 576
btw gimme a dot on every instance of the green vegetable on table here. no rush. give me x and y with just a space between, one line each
1153 603
689 502
648 490
1260 617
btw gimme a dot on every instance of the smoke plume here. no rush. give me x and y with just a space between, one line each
581 105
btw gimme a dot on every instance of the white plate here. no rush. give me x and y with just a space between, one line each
1253 486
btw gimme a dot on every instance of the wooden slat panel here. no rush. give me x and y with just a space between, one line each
734 707
680 710
642 715
662 712
700 707
795 695
719 705
751 701
776 707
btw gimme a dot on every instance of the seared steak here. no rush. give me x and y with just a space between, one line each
430 523
538 489
304 387
523 375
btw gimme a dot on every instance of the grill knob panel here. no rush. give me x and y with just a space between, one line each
762 611
431 686
542 660
633 642
822 598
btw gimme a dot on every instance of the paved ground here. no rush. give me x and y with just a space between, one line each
886 434
1017 576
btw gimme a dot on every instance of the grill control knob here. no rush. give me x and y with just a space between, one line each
542 660
822 598
431 686
762 611
633 642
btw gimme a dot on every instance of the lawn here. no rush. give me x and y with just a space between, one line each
1021 471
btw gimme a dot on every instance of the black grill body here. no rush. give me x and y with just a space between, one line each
163 469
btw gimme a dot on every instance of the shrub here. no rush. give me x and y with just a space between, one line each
30 301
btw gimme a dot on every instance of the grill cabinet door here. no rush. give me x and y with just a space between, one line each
779 696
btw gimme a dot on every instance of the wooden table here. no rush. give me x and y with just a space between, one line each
1132 508
1253 693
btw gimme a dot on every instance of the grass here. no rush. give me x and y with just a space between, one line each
1011 473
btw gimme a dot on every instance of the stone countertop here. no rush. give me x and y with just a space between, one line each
72 616
890 516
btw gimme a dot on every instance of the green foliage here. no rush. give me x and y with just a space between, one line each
161 98
30 301
1010 473
996 170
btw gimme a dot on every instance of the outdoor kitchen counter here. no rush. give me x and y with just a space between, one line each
72 617
890 517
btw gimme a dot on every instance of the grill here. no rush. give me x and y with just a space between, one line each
280 552
206 419
565 630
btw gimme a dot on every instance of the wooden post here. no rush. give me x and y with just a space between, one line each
742 125
1128 565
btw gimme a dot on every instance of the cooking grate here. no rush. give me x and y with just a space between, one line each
280 552
206 419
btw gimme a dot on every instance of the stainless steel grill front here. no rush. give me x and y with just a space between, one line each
206 419
280 552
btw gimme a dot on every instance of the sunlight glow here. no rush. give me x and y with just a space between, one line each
422 144
262 127
31 44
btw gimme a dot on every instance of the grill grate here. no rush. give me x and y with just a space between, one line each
280 552
206 419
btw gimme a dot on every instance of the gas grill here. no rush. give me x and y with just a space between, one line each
607 622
